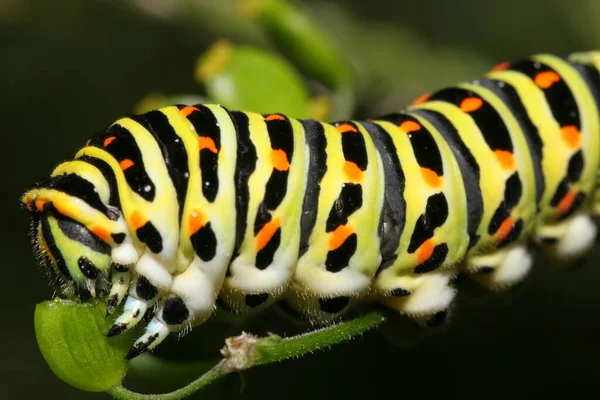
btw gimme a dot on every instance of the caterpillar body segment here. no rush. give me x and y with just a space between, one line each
190 206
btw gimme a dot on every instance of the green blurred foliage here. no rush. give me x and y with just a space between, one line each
71 67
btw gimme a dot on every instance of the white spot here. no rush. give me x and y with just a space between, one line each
194 214
537 65
206 183
177 140
186 175
501 84
192 127
147 188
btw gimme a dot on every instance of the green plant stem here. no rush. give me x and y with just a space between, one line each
246 351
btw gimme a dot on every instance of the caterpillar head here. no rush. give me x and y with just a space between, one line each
76 261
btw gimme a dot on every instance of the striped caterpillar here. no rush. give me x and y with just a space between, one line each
186 207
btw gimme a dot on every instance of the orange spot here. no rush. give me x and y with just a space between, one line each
505 227
566 202
506 159
185 111
275 117
197 220
137 220
422 99
343 128
425 251
339 236
571 135
279 160
471 104
432 179
109 140
126 163
266 233
40 204
205 142
546 79
410 126
102 233
501 66
352 171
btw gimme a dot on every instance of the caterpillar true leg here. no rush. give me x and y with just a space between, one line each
120 278
142 295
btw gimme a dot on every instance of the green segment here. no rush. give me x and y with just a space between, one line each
71 338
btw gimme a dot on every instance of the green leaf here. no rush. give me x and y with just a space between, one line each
71 338
253 79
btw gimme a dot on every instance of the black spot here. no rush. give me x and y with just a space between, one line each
149 235
436 213
144 289
435 261
281 135
262 217
88 269
354 148
339 258
499 216
512 191
264 257
118 237
438 319
334 305
174 311
255 300
548 240
399 292
276 189
204 242
561 191
575 166
349 200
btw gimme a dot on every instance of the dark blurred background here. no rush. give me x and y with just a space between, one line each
68 68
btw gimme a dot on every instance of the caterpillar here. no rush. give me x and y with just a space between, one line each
188 207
